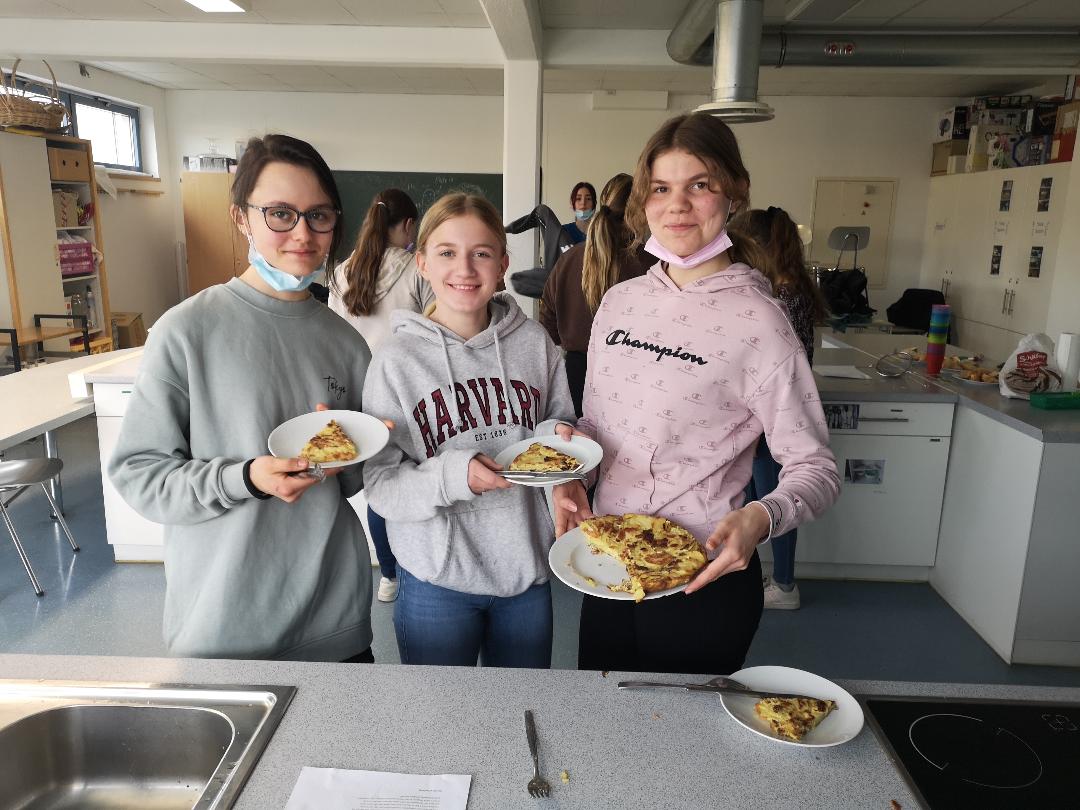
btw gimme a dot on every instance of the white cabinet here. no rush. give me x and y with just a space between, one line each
1007 551
892 458
133 537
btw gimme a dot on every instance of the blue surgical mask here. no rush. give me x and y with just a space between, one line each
278 280
584 215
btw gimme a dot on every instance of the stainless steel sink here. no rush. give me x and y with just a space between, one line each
146 746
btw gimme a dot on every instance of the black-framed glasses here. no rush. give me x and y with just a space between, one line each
282 218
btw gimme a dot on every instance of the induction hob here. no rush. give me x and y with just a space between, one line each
991 755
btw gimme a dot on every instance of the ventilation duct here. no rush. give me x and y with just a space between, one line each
729 35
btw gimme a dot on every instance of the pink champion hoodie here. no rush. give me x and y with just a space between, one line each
680 385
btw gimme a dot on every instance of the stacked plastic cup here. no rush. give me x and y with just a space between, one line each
936 337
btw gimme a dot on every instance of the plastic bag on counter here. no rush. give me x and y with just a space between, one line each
1031 368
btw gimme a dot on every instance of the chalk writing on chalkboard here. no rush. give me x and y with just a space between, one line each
358 189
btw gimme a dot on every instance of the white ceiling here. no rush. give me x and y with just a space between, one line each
596 15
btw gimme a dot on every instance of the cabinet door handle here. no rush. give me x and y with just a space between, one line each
941 289
884 419
1004 298
1012 300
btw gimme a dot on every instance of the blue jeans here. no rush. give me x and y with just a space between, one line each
437 625
387 561
765 477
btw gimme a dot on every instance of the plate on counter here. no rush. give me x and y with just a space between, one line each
843 724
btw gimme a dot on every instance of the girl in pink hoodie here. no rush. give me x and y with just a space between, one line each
687 367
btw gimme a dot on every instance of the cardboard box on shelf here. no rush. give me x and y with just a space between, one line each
1068 115
939 162
76 258
1033 150
1005 117
130 331
956 164
68 165
1001 151
1061 150
952 125
1042 116
994 102
982 143
65 208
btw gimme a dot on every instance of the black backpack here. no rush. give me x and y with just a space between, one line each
913 308
845 292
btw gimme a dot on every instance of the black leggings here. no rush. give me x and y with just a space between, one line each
708 632
575 376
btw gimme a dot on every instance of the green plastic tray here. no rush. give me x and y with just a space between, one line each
1060 400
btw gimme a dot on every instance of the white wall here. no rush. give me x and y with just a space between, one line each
810 137
139 230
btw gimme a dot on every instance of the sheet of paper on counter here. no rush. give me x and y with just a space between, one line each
848 372
336 789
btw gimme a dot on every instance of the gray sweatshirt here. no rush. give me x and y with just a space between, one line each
246 578
447 398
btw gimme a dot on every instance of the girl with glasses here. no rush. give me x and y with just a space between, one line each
379 277
262 558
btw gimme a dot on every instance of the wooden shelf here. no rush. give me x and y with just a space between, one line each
66 279
32 334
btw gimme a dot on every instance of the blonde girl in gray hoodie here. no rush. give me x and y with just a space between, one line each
379 277
471 377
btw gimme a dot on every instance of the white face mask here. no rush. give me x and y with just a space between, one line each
278 279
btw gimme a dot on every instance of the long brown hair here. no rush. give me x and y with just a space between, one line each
778 235
389 208
712 142
607 244
286 149
457 205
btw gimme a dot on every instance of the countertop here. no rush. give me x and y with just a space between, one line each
35 400
1051 427
621 749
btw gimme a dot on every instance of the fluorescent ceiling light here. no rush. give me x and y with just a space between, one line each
222 5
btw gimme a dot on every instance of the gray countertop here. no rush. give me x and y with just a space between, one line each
621 749
1046 426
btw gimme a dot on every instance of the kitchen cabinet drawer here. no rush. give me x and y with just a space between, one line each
889 418
111 399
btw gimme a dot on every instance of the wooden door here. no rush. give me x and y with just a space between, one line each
209 232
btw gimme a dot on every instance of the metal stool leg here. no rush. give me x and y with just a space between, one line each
59 517
52 451
19 548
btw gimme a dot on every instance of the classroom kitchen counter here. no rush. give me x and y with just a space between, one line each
621 749
862 349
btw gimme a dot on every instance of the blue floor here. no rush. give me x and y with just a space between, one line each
92 606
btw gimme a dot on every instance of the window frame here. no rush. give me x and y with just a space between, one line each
70 98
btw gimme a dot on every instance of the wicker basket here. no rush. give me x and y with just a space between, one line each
18 110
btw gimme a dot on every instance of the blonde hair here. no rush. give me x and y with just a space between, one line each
608 241
712 142
452 206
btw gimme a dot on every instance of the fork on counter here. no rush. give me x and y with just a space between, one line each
538 787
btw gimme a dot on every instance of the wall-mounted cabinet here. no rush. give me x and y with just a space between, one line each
47 195
215 249
992 248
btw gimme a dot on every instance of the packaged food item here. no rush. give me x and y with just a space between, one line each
1032 368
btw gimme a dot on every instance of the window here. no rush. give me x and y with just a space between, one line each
111 127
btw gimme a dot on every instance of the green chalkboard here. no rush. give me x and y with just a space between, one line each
359 188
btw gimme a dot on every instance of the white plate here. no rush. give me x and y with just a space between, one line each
843 724
584 450
572 560
369 435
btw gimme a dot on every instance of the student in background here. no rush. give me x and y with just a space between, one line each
583 204
461 383
262 558
688 365
584 273
379 277
778 235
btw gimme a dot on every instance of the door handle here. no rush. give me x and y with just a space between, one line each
1004 298
1012 300
884 419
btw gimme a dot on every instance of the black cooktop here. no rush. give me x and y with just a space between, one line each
990 755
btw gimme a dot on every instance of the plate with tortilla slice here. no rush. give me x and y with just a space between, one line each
330 438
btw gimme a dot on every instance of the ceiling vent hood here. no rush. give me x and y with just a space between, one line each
729 35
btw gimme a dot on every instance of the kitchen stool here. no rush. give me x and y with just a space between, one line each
17 476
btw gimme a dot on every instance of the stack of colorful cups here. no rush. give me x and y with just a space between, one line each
937 337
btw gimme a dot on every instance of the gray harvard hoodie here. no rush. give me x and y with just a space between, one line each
448 400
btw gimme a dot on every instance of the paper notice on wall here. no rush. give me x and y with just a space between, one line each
1041 227
1001 227
336 789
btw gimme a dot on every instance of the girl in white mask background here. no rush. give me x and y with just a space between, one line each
263 558
583 204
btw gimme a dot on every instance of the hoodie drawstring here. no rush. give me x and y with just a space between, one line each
460 424
508 392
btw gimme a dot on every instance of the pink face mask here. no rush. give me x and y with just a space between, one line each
717 246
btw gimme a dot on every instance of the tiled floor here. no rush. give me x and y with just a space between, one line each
96 607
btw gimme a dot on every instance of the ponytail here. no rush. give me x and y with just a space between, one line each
361 271
607 243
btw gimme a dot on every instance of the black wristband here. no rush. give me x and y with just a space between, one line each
254 490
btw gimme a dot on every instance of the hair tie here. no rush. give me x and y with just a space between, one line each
380 202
